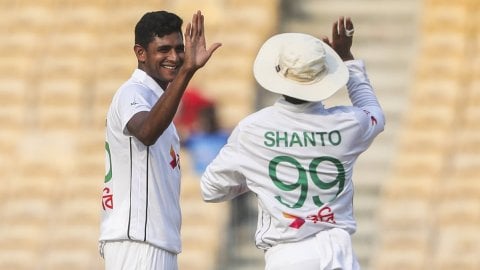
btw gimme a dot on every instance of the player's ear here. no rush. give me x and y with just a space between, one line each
140 52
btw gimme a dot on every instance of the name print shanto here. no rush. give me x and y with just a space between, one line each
302 138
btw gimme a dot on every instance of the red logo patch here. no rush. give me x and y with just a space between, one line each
325 214
175 158
373 120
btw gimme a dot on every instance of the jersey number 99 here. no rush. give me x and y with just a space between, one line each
302 181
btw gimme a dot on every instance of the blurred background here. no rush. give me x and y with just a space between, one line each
417 189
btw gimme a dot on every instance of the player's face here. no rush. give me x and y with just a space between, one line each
163 58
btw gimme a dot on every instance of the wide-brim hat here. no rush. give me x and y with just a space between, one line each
300 66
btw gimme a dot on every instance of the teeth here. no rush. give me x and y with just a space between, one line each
170 67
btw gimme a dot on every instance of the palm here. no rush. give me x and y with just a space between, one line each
196 53
340 42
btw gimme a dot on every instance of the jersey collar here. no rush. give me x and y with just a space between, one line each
304 107
142 77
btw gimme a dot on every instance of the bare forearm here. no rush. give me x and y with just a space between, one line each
149 126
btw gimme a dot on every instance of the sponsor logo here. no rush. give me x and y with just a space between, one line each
373 120
175 158
107 199
325 214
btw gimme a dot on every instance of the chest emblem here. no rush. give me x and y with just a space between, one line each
175 158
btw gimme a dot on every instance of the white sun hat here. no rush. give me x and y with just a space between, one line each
300 66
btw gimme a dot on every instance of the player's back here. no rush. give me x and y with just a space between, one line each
299 160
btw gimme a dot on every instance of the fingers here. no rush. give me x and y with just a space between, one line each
201 28
342 27
335 30
348 26
196 28
340 23
348 23
192 27
193 23
195 39
188 31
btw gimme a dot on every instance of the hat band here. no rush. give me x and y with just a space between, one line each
306 77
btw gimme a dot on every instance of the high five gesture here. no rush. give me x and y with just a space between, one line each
196 52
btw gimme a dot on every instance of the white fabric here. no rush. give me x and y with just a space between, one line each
298 160
300 66
133 255
349 32
141 197
327 250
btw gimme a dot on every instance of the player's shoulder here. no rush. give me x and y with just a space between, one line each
257 116
131 88
347 112
342 109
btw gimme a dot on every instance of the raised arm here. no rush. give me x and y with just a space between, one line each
360 90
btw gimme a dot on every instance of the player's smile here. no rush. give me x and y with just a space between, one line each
169 67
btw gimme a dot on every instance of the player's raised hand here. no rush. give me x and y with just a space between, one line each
196 52
342 35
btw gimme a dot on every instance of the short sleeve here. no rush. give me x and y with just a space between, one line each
131 101
222 180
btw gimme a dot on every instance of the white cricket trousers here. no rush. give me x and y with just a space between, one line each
134 255
327 250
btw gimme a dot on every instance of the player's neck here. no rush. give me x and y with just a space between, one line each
294 100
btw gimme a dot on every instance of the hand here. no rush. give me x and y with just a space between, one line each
341 42
196 53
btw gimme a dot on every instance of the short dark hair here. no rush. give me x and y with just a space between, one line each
156 24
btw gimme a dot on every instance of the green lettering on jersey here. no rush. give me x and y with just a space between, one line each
334 137
269 139
302 139
322 139
309 138
108 176
295 140
284 138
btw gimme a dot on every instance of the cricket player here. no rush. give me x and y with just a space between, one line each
141 218
298 156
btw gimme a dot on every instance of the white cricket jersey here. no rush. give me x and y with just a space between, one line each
142 183
298 160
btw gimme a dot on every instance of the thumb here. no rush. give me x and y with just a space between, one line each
325 39
214 47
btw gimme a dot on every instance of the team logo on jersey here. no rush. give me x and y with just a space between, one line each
325 214
134 102
373 120
297 221
175 158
